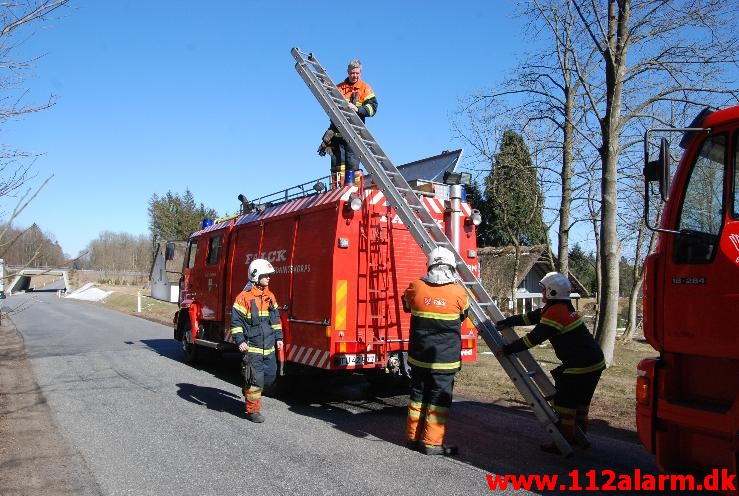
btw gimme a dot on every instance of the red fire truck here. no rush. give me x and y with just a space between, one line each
342 260
687 403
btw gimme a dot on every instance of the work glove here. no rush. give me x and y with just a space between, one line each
503 323
324 147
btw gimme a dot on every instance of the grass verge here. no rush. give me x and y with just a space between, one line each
613 405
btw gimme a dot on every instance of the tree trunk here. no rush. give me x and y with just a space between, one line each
563 239
615 58
636 284
514 279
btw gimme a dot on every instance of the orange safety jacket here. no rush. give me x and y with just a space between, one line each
255 319
361 94
437 312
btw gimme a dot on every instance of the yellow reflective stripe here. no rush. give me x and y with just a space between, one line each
253 392
571 326
260 351
584 370
438 409
370 110
526 320
552 323
243 311
434 418
342 289
415 405
564 409
277 327
438 316
236 330
527 342
371 95
415 414
434 366
264 313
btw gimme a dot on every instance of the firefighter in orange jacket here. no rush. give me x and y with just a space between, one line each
256 329
438 306
361 100
582 359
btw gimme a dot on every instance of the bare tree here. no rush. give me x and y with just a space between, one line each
16 166
652 52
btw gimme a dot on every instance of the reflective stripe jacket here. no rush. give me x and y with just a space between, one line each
255 318
437 312
562 326
365 99
361 94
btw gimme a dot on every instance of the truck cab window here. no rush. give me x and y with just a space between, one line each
191 251
701 214
214 249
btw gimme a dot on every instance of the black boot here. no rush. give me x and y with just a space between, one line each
428 449
255 417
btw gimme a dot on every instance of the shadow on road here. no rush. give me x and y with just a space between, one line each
493 438
212 398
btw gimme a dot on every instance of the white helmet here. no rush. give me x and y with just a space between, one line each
556 286
258 268
440 256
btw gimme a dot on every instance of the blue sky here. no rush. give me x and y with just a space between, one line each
167 95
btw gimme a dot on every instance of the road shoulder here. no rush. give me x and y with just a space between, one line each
34 458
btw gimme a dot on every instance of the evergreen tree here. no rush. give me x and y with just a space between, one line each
582 265
514 197
174 216
477 200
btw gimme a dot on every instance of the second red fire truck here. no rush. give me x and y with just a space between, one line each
342 261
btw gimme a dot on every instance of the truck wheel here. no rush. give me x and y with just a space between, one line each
189 350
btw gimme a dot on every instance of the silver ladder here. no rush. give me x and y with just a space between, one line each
525 372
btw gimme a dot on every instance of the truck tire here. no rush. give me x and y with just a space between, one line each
190 351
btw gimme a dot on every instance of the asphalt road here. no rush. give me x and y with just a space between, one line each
145 423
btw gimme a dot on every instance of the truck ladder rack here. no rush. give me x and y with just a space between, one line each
522 368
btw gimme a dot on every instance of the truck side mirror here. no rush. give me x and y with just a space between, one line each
169 251
659 170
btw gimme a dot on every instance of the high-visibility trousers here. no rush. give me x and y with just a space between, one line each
342 157
428 405
572 399
265 373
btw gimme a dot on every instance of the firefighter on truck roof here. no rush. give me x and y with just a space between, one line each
438 306
256 329
582 359
363 101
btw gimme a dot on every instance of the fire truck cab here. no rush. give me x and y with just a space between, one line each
687 403
342 260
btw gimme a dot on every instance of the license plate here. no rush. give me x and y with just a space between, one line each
353 360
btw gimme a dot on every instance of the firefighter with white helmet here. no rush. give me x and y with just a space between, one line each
256 329
582 359
438 306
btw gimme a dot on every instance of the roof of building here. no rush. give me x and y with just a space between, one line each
497 265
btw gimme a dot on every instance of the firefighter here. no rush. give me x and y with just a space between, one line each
256 329
361 100
582 359
438 306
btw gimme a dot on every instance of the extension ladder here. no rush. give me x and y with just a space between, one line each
525 372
